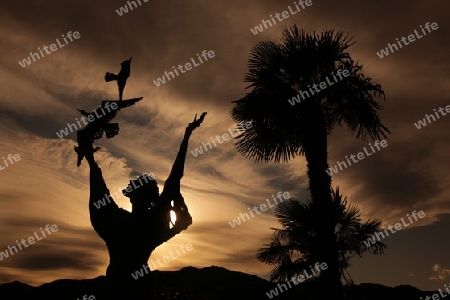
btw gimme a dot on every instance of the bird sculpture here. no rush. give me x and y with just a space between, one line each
121 77
99 122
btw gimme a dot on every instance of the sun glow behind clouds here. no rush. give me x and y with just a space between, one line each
173 218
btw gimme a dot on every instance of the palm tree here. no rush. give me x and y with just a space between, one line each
293 248
280 131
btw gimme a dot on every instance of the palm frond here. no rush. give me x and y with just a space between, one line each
280 71
298 236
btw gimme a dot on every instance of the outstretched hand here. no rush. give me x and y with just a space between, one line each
196 123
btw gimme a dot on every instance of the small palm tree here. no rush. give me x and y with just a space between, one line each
293 248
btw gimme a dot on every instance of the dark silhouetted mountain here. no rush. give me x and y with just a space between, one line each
211 283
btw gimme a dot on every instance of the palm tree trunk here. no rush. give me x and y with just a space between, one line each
315 147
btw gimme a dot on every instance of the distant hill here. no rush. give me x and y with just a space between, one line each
211 283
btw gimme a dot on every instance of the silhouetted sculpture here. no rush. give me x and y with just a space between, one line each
131 237
100 123
121 77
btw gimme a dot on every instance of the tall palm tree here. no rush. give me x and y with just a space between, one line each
293 248
280 131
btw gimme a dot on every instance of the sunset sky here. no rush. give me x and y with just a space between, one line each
45 186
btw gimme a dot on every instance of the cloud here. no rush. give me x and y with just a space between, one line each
442 273
39 100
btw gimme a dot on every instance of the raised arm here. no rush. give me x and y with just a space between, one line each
171 191
98 188
173 181
102 207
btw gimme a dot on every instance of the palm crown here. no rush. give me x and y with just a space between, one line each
278 72
293 248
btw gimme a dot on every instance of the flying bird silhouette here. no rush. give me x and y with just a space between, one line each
121 77
98 123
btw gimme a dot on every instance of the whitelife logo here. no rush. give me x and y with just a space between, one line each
145 268
85 297
436 296
31 241
102 202
124 9
162 80
27 61
284 15
423 123
322 85
262 207
10 158
90 118
360 156
241 127
371 241
411 38
301 278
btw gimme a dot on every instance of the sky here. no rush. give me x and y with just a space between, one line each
45 186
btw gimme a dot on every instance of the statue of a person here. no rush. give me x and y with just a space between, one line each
132 236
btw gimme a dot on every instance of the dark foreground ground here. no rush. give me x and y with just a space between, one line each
212 283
